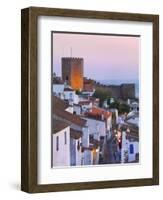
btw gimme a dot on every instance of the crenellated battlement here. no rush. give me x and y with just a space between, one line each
72 58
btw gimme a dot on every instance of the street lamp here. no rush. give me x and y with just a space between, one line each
127 132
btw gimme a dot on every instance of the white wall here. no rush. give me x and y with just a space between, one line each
71 95
10 98
61 157
58 88
78 153
96 125
136 150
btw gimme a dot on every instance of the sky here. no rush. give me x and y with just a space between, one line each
106 57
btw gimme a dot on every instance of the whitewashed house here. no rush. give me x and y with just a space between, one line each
86 105
58 90
60 144
88 93
77 109
79 133
130 147
70 95
134 106
133 150
75 147
102 115
97 128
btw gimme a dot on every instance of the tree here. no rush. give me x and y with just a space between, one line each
122 108
115 104
102 95
78 92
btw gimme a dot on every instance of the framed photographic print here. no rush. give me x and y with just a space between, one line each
90 99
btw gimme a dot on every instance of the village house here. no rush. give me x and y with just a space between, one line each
95 101
80 151
77 109
130 147
86 105
102 115
60 143
70 95
65 92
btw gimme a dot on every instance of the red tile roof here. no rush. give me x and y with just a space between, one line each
59 103
66 116
98 112
59 107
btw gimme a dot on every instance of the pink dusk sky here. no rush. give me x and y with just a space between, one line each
105 56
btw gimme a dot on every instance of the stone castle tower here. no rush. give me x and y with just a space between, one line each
72 72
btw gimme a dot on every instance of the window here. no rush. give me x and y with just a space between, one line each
131 148
57 143
70 95
65 136
78 146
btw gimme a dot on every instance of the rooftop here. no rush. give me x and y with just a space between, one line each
59 125
59 104
98 113
68 89
66 116
59 110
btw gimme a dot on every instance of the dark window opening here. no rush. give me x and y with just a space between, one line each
65 135
131 148
57 143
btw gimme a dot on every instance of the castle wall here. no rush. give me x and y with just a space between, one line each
128 91
123 91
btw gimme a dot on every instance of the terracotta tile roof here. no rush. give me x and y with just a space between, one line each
66 116
59 103
59 110
59 125
75 133
98 112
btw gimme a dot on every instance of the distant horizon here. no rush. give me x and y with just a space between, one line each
105 57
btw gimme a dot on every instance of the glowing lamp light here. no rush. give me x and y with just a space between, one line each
97 150
128 130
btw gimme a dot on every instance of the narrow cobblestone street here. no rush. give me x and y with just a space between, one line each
111 154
